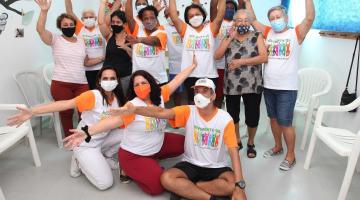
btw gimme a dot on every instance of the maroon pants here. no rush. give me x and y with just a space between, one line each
65 91
145 170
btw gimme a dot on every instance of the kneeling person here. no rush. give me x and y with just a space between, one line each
203 173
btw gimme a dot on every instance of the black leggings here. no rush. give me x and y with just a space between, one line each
189 83
252 108
91 78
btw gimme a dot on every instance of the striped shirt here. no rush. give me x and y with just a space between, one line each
69 60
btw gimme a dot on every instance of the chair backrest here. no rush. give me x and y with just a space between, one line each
31 85
48 72
312 81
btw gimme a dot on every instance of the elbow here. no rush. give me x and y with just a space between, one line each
264 58
217 56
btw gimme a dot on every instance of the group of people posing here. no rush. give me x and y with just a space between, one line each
112 68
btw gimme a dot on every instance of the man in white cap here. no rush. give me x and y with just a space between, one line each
203 172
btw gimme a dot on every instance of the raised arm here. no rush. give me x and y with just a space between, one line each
45 35
178 23
180 78
117 5
103 26
27 113
220 51
213 9
259 59
219 16
69 9
129 15
255 23
306 24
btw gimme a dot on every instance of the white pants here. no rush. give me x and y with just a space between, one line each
91 158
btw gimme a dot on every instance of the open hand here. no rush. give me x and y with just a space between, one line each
132 39
157 5
18 119
75 139
233 64
44 4
194 61
127 109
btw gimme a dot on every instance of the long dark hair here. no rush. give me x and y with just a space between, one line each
155 88
118 92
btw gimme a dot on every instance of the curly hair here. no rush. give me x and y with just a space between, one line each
148 8
118 92
64 16
194 6
155 94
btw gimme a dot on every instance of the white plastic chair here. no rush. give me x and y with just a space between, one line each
313 83
344 142
48 72
31 86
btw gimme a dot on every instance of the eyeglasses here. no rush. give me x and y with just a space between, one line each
238 20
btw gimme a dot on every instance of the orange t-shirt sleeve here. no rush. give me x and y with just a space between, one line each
165 93
182 114
183 29
163 40
127 119
230 136
266 31
135 32
85 101
79 26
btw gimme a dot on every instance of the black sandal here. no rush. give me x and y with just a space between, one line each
240 146
251 152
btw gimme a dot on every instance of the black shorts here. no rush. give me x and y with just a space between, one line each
196 173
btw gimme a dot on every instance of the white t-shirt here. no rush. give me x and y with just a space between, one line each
205 141
280 73
203 45
68 60
175 48
150 58
144 135
95 45
93 109
224 31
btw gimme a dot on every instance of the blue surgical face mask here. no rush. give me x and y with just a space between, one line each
229 13
278 25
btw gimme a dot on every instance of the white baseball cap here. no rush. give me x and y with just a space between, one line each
205 82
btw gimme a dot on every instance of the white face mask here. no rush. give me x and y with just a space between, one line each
89 22
109 86
169 21
201 101
138 8
196 21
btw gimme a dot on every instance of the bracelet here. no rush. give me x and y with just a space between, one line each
86 130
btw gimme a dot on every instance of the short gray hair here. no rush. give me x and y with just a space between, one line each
88 10
246 12
281 8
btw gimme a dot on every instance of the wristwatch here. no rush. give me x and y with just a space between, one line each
241 184
85 129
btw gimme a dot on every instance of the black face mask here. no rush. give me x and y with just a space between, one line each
68 32
117 28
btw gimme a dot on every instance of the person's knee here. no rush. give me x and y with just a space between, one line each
167 179
104 184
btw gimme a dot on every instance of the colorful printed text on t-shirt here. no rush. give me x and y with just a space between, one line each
176 38
206 137
93 41
105 115
154 124
142 50
195 42
279 48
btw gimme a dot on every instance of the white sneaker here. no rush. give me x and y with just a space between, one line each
75 170
112 163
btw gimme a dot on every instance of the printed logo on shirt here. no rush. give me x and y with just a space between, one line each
105 115
200 43
279 48
142 50
154 124
206 137
177 40
93 41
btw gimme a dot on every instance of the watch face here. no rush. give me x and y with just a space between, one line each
241 184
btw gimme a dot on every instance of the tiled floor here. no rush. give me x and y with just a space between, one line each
20 180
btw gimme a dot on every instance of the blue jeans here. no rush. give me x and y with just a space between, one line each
280 105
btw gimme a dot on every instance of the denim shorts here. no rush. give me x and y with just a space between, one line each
181 88
280 105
